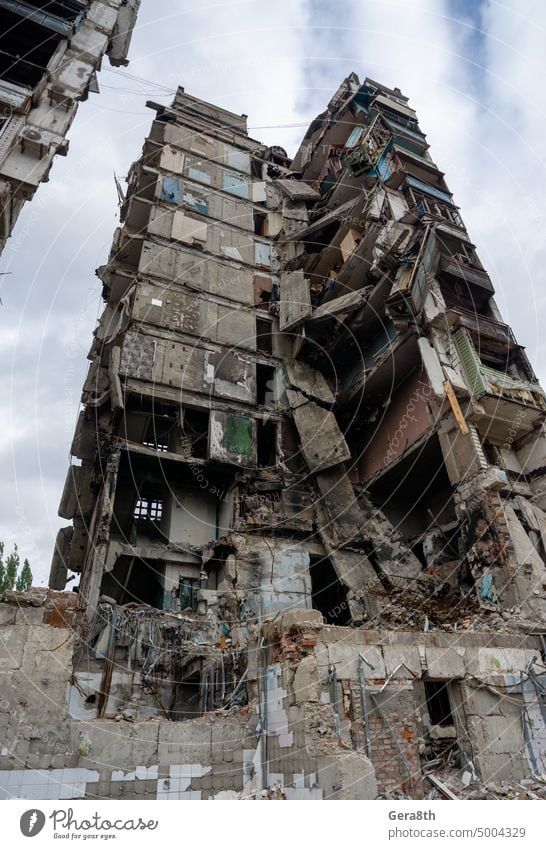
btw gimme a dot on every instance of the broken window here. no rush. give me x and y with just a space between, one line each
438 702
158 433
187 593
465 296
264 338
257 168
327 593
263 291
266 437
260 223
265 385
26 47
133 580
148 508
194 433
458 249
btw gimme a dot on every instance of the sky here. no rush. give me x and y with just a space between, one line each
474 72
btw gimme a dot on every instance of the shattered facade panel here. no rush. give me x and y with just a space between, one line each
307 500
48 63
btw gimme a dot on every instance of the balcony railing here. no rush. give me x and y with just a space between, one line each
483 380
484 326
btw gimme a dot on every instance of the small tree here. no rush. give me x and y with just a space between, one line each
24 579
10 576
12 567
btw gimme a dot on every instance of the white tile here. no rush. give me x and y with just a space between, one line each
73 790
50 791
64 791
35 791
178 770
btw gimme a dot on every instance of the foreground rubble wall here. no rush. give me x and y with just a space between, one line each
301 733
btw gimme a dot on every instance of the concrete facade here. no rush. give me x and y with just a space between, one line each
306 501
49 58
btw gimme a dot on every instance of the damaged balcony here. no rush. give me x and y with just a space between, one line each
399 166
32 37
422 204
499 377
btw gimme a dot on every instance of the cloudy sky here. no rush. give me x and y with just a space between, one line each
475 73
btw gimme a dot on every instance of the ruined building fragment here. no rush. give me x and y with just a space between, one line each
50 51
306 501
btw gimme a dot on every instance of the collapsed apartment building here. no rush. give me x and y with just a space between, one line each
50 51
307 499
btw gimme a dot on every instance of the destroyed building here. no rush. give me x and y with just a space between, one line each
50 51
307 494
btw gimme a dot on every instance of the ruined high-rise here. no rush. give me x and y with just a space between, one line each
307 494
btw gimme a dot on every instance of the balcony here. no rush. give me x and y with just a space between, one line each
482 326
428 207
398 165
504 399
366 145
